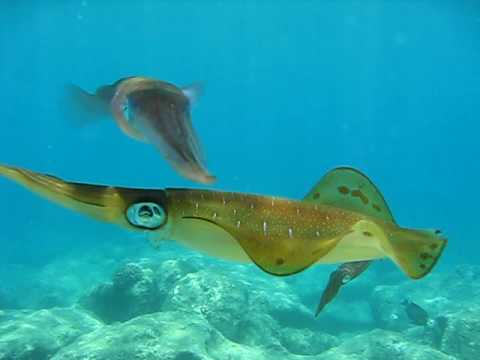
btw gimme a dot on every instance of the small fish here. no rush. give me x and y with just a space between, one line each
415 313
154 112
343 219
342 275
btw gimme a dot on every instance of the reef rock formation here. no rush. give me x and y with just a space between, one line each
242 311
179 335
181 306
245 308
461 335
454 325
439 295
167 335
132 292
381 345
38 335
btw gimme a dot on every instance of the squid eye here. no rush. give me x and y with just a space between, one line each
146 215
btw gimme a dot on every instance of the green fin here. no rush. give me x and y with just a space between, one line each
349 189
416 251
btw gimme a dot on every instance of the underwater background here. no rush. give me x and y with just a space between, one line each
292 89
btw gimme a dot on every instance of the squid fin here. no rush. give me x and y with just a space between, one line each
348 188
279 256
193 92
85 108
414 251
327 192
281 259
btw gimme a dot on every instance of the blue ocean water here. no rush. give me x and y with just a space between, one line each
292 89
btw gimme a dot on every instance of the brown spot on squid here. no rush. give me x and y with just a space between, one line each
360 195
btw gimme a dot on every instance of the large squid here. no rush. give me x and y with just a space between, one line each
344 218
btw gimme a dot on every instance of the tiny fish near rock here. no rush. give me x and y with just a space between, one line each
415 313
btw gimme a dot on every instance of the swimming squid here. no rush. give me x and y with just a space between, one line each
154 112
344 218
345 273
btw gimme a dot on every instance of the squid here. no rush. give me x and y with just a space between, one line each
343 219
342 275
150 111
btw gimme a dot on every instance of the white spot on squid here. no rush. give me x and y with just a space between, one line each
238 224
234 211
328 218
317 233
290 232
265 227
214 215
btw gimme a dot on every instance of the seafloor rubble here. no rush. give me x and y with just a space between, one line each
181 306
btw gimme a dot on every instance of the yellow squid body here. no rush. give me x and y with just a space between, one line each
343 218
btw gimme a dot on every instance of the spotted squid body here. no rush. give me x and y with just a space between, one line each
344 218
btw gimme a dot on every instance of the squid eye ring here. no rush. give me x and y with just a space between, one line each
146 215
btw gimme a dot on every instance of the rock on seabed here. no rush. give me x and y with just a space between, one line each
190 308
38 335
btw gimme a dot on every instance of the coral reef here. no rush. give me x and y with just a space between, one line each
449 298
461 336
179 306
381 345
132 292
62 281
38 335
164 335
181 335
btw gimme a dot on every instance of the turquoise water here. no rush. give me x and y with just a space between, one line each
292 89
